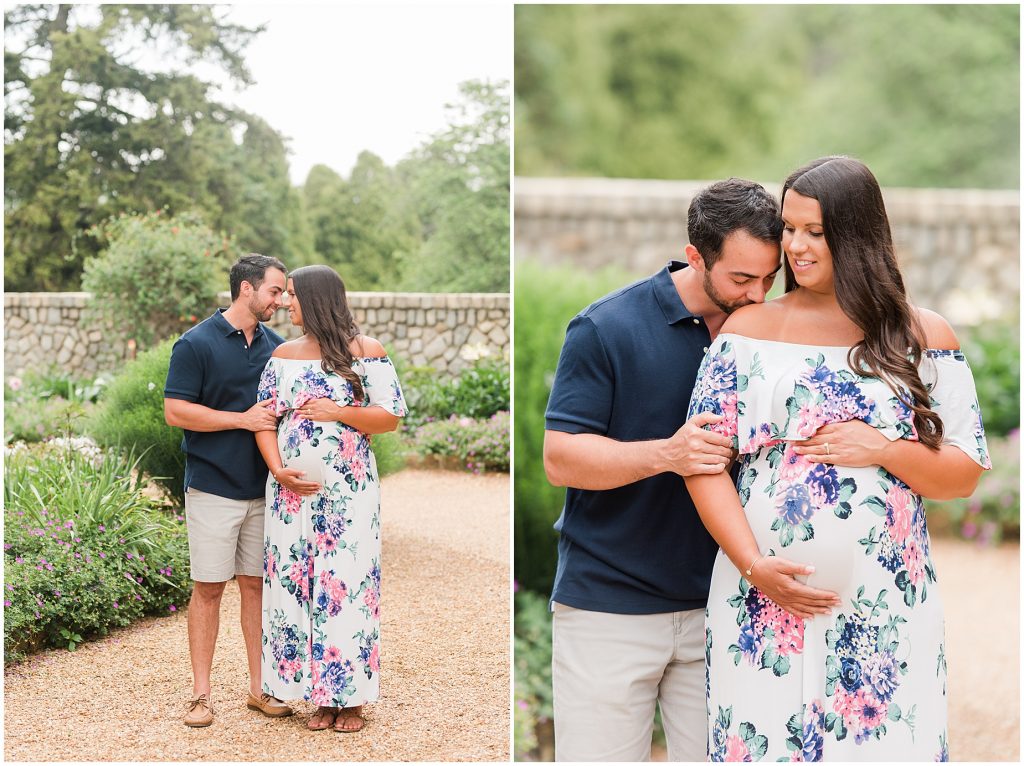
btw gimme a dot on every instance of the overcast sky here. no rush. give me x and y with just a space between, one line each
339 79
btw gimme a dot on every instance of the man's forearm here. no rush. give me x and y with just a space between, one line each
941 474
196 417
590 461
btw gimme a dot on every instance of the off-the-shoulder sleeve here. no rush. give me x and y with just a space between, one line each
270 382
381 384
950 384
716 389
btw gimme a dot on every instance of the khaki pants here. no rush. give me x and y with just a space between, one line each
609 671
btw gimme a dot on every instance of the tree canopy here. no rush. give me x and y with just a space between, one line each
927 95
91 132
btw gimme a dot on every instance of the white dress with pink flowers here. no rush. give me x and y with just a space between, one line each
321 560
869 681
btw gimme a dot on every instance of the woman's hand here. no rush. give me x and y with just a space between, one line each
322 409
291 479
853 444
774 577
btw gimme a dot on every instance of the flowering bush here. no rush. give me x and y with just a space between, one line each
38 407
992 513
481 445
85 549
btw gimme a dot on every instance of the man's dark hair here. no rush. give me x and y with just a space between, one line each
252 268
727 206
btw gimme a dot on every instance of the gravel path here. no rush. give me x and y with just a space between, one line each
445 683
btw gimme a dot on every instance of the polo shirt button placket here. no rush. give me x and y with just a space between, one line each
696 321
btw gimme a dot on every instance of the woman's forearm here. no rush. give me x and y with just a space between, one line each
720 510
369 420
266 441
941 474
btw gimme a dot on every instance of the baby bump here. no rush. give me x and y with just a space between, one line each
815 522
302 447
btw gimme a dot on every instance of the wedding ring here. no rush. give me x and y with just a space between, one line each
826 449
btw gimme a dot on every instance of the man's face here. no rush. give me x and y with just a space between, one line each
744 272
266 299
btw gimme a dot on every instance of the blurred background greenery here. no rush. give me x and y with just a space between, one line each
926 95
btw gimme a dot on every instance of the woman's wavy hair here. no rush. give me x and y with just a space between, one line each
868 283
327 317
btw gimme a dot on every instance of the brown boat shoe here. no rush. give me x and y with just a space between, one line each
268 705
200 712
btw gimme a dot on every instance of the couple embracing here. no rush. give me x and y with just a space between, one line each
743 542
282 492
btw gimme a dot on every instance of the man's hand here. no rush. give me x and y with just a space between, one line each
774 577
259 417
322 409
291 478
691 450
853 444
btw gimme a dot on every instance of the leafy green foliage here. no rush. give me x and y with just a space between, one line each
477 392
460 192
993 351
532 651
85 549
550 298
705 91
389 452
131 417
480 444
158 275
90 134
44 405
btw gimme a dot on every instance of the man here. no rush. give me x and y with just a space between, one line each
634 560
211 393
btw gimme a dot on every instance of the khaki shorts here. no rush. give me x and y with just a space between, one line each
225 536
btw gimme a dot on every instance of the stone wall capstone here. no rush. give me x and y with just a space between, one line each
45 331
959 249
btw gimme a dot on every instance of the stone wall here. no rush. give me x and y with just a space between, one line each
45 330
959 249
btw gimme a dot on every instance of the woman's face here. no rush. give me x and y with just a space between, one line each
803 241
291 302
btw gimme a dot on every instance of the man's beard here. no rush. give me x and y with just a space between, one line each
718 300
262 313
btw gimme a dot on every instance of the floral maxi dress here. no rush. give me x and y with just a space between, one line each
867 683
321 558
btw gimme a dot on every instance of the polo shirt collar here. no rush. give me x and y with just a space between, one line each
668 297
229 329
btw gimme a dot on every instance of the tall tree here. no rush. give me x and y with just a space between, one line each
90 132
460 184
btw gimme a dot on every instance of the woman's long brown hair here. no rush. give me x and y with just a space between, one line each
327 317
868 283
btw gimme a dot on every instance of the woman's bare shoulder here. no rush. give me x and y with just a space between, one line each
754 320
937 332
288 350
367 348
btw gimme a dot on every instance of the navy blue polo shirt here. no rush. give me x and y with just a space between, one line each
626 371
212 366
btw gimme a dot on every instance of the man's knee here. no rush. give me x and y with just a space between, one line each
250 585
207 592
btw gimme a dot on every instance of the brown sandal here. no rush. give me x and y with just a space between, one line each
319 720
348 714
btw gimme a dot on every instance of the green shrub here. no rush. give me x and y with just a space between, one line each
157 274
389 450
131 416
481 445
532 653
546 300
85 549
993 351
477 392
992 513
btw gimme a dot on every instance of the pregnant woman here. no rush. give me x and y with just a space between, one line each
331 389
866 681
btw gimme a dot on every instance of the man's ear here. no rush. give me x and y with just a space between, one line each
695 259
